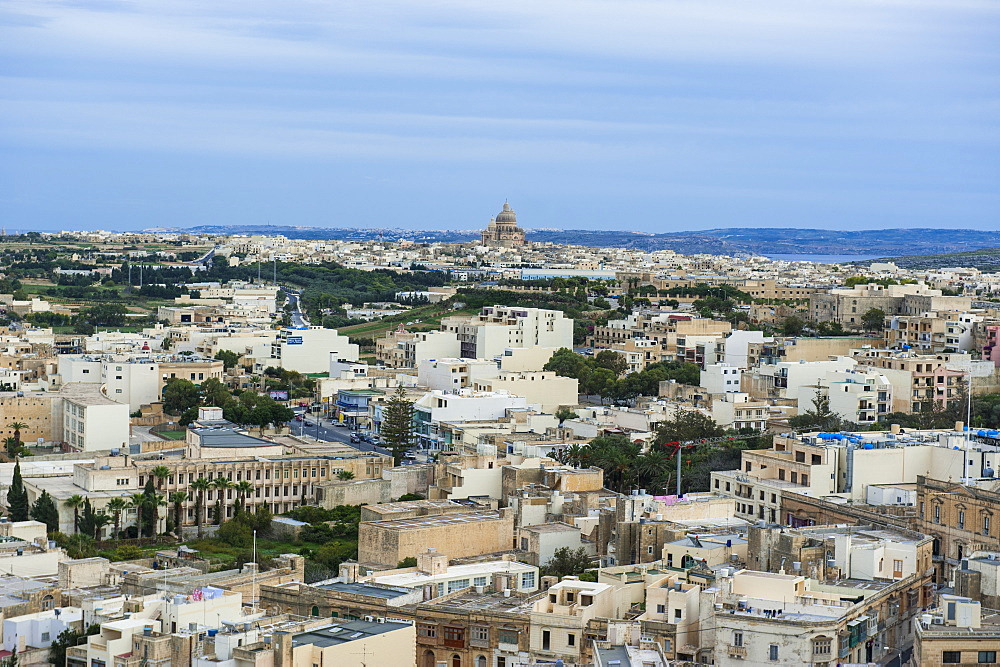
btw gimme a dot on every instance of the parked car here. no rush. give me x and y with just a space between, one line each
355 439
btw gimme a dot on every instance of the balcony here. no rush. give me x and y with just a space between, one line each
737 652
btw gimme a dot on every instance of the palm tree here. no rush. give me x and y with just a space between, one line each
345 475
116 506
17 426
76 502
157 501
200 485
222 484
160 473
177 498
243 489
100 521
137 501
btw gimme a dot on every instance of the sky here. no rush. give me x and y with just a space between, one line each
655 116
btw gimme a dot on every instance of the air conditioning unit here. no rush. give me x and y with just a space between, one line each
370 619
937 620
380 620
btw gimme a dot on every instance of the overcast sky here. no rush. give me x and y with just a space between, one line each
658 116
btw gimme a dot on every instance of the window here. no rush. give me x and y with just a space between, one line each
677 614
951 657
478 633
546 640
457 585
661 609
507 636
937 514
772 652
737 639
985 657
961 519
986 525
479 581
427 631
822 646
649 549
454 634
45 638
527 580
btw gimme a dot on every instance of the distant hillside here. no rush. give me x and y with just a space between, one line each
736 241
986 259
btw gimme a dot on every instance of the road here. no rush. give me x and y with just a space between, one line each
324 431
298 318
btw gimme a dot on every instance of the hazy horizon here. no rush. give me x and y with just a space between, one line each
660 116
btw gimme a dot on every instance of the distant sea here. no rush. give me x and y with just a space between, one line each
823 259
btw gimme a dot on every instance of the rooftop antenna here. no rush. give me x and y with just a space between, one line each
364 655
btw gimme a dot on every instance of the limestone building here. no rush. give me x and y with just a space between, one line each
503 231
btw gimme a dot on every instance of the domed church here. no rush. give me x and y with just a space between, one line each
503 232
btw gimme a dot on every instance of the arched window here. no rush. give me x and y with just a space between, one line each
481 661
315 610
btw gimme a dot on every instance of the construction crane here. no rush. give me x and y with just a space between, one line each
689 444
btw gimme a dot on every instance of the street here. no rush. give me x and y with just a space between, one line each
324 431
298 319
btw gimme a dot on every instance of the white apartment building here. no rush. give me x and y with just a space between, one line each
451 374
542 388
466 405
90 420
721 378
860 395
499 327
309 349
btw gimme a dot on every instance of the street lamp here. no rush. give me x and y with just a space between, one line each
899 653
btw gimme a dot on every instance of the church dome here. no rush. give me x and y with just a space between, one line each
507 215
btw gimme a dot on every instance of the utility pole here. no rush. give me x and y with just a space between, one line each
688 444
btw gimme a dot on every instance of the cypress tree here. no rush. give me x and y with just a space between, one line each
44 510
17 497
149 513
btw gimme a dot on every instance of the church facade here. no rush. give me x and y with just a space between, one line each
503 232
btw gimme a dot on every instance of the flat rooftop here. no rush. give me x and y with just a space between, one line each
342 633
486 569
408 506
365 589
554 527
438 520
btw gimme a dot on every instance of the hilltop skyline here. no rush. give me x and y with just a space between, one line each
639 116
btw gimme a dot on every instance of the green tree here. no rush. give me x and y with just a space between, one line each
16 426
75 502
345 475
17 496
116 506
150 507
793 325
819 417
564 413
65 639
161 473
228 358
243 489
177 499
685 426
44 509
221 484
611 360
409 561
565 562
200 486
397 425
873 319
215 393
179 395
